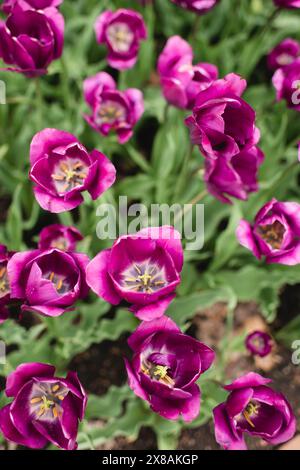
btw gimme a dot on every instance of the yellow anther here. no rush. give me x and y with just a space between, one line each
55 388
35 400
59 284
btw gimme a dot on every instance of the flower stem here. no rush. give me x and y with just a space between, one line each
39 102
182 180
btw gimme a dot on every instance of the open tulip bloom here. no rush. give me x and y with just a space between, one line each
45 408
48 282
259 343
30 40
286 84
143 269
252 408
62 168
165 368
283 54
121 31
274 234
112 110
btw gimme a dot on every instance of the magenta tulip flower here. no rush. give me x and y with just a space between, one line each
165 368
181 81
112 110
5 293
290 4
62 169
284 54
59 236
121 31
223 126
8 5
48 282
286 81
259 343
143 269
254 409
30 40
45 408
275 233
198 6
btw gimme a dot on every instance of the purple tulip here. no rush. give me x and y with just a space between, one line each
121 31
275 233
223 125
45 408
283 54
257 410
60 237
112 110
198 6
165 368
143 269
290 4
62 169
48 282
259 343
5 293
8 5
286 81
182 81
30 40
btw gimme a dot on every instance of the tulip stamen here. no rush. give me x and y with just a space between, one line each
4 283
49 401
68 176
159 373
120 36
111 112
273 234
144 278
250 410
58 282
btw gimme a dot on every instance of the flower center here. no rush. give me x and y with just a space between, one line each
250 411
69 175
120 37
60 283
158 372
4 283
285 59
273 234
46 400
111 112
60 244
146 278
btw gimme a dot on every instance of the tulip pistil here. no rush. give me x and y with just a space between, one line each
69 175
4 284
120 37
273 234
111 112
146 279
250 410
158 372
49 402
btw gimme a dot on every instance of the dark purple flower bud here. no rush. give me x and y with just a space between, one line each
45 408
48 282
30 40
290 4
5 294
143 269
8 5
121 31
60 237
112 110
62 168
165 368
259 343
287 84
255 409
198 6
182 81
223 126
275 233
283 54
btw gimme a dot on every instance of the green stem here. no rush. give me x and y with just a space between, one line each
65 82
270 22
182 180
39 102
